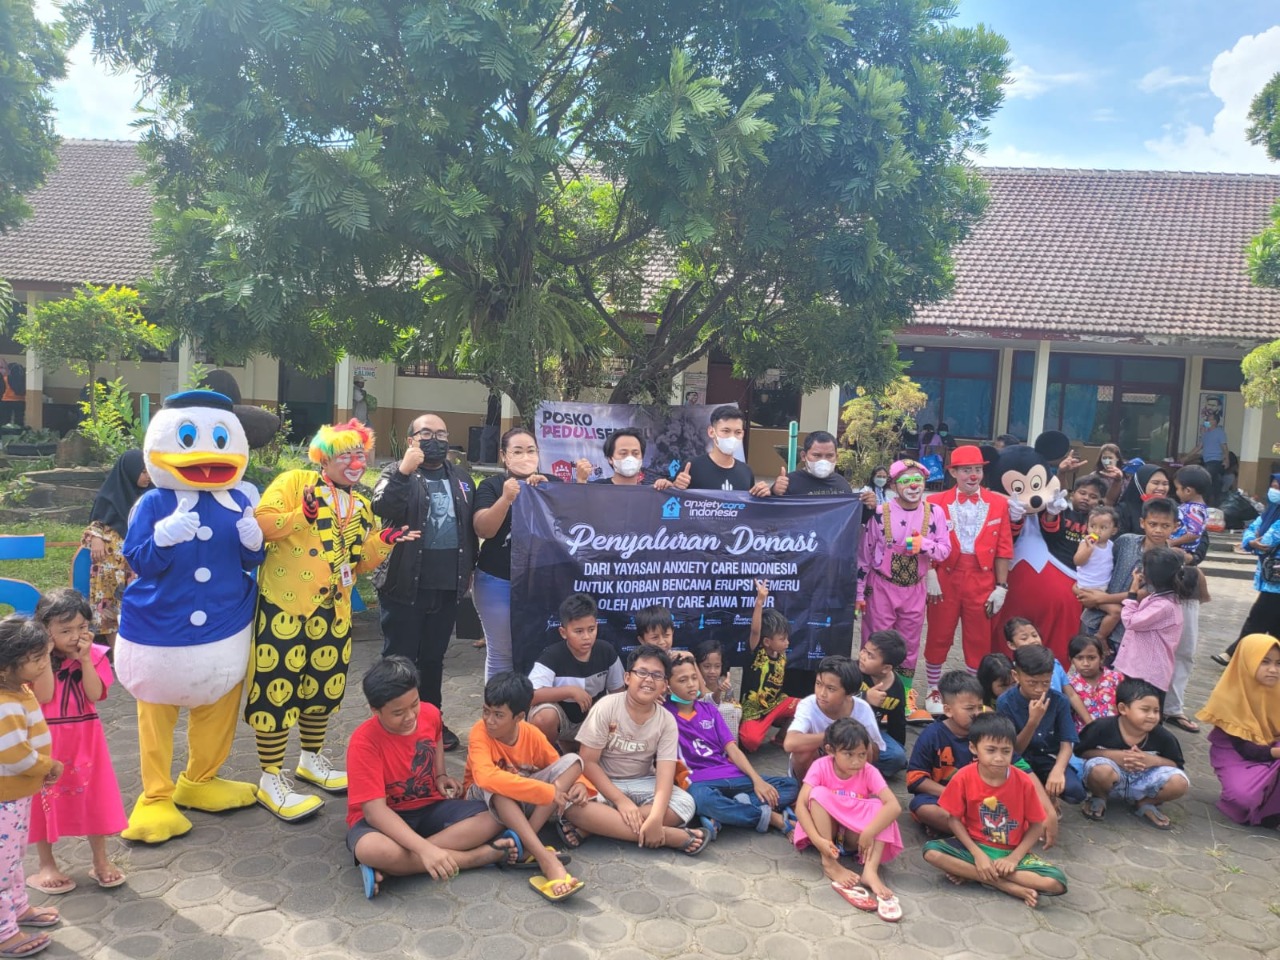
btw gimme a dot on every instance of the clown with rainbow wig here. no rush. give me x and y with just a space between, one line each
320 534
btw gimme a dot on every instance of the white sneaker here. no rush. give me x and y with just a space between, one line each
933 703
318 769
275 792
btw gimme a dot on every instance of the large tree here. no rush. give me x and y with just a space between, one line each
532 188
31 58
1261 367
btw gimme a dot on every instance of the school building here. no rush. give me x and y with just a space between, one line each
1111 305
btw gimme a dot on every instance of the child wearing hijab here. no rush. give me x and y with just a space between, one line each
109 574
1244 745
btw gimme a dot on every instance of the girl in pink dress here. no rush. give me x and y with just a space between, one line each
85 801
1091 680
844 800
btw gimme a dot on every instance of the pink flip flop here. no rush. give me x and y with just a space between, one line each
889 909
858 895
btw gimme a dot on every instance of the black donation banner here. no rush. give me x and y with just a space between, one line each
698 553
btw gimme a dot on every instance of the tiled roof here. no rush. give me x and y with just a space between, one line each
92 223
1114 253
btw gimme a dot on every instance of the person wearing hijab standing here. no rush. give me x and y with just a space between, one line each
1259 538
109 574
1151 481
1244 745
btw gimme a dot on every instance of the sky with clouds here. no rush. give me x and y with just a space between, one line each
1122 84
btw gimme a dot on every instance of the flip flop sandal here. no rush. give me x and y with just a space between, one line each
52 891
711 826
506 860
697 836
858 896
568 834
789 821
1095 808
530 862
1182 722
32 918
368 880
1144 811
1221 659
545 887
28 947
889 909
108 884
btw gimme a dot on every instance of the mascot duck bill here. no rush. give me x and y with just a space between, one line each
186 621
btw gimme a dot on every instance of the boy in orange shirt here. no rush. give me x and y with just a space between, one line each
513 768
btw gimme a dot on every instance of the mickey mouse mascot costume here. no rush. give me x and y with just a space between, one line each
186 622
1042 577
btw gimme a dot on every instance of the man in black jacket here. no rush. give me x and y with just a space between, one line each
420 584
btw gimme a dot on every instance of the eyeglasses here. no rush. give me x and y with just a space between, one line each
425 434
650 675
911 478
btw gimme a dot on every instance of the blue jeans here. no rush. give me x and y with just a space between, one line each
1073 792
492 596
714 798
893 758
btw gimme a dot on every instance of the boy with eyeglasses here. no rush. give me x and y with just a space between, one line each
629 746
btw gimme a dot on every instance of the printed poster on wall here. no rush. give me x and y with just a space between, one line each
698 553
568 432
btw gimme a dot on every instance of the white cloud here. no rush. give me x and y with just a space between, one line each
1162 78
1027 83
1235 78
1104 115
91 102
1011 156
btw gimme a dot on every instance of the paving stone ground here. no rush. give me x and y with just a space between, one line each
248 885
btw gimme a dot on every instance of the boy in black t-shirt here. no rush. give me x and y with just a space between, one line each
1132 757
882 688
570 676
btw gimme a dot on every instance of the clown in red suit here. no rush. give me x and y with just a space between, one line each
969 586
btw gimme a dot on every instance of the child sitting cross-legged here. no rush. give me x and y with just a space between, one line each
845 803
834 697
725 787
402 815
1132 757
514 769
942 750
629 747
1045 734
996 818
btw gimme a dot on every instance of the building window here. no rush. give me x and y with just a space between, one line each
426 368
1224 375
960 384
1134 402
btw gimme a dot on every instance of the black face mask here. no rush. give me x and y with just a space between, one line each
434 451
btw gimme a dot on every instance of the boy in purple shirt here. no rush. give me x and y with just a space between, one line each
725 788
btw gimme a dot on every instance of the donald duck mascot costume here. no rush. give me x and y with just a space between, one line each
186 622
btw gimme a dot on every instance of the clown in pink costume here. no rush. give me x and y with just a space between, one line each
898 545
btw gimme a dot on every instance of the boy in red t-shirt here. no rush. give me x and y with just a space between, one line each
997 817
402 815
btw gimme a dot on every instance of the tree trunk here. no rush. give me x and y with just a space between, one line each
93 392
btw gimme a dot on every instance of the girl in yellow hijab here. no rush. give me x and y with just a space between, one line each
1244 746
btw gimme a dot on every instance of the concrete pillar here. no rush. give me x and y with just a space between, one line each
186 360
342 389
1004 391
34 413
1039 392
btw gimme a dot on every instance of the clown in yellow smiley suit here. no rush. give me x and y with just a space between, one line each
320 533
186 621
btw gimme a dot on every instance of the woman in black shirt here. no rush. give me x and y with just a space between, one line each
492 522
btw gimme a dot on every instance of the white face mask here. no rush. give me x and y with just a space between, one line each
627 467
728 445
1108 461
880 481
822 468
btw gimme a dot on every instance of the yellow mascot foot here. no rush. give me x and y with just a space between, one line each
155 822
214 795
